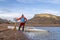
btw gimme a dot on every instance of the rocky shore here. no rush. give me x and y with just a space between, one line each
7 34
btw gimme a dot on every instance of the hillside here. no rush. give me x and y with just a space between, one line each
3 21
44 19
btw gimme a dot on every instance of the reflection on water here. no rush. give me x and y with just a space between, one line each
54 34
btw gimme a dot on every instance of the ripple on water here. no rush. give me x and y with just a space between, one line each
43 36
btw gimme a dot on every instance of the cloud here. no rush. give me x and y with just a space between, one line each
49 11
4 11
29 13
36 1
33 11
12 15
9 16
6 14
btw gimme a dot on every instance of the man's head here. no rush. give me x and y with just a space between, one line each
22 15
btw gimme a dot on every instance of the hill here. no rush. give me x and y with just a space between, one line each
3 21
44 19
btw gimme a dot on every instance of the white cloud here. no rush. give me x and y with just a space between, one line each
11 15
38 11
7 14
29 13
36 1
49 11
1 11
4 11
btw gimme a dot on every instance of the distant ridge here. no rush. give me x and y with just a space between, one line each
46 15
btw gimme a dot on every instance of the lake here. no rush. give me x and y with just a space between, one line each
53 34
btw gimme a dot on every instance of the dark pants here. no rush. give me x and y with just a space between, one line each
22 25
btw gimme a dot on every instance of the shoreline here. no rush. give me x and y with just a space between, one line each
33 25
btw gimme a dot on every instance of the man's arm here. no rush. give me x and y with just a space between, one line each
18 18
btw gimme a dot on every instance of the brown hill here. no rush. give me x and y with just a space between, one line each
43 19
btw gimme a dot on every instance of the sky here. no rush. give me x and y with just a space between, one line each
15 8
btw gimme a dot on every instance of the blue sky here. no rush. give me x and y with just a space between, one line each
14 8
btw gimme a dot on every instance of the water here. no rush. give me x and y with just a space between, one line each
53 34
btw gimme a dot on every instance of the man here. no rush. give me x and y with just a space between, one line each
22 22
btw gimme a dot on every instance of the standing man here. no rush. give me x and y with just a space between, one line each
23 20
